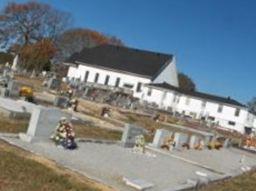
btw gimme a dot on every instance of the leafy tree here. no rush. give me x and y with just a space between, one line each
185 82
252 105
74 40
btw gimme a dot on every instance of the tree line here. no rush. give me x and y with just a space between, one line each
41 35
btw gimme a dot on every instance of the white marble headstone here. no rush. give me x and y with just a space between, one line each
159 137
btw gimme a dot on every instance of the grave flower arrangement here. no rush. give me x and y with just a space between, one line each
64 135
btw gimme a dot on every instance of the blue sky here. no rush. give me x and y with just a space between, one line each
214 40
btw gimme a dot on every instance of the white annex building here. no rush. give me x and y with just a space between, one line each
223 111
152 77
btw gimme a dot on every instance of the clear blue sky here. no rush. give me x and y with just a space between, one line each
214 40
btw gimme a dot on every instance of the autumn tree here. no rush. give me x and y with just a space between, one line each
38 54
74 40
185 82
5 57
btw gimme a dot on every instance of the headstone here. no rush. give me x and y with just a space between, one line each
226 143
194 141
129 135
3 92
203 179
159 137
6 72
208 139
138 184
42 123
13 88
180 139
53 83
61 101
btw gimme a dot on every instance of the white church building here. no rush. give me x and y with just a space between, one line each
152 77
122 67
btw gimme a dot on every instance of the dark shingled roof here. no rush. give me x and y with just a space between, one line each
129 60
224 100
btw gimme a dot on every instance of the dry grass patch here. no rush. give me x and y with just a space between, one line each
87 131
12 125
245 182
35 83
23 171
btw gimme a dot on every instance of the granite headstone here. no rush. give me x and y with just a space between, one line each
42 123
61 101
129 135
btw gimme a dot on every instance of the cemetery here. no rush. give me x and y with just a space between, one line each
107 136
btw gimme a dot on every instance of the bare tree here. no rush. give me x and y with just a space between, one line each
74 40
27 23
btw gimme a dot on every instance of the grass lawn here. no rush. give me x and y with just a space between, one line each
35 83
23 171
16 126
246 182
86 131
12 125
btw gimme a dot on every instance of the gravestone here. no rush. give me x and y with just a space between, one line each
159 137
61 101
208 139
138 184
226 143
42 123
180 139
6 71
53 83
194 141
129 135
13 88
3 92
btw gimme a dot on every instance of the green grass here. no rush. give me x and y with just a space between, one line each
22 174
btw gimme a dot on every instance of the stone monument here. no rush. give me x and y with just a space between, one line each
13 88
42 123
53 83
159 137
180 139
61 101
129 135
193 141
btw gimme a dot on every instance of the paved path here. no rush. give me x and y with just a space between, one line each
109 163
